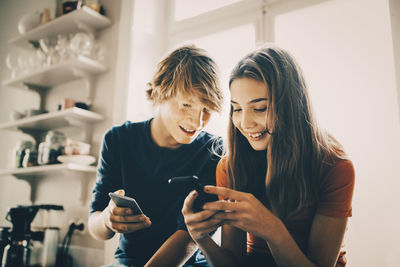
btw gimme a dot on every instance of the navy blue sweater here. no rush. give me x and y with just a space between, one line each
130 160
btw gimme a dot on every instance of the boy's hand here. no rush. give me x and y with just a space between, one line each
121 220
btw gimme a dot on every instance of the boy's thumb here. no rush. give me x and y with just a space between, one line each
120 192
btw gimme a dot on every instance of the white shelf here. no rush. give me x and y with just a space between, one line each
47 170
57 74
53 120
83 19
86 20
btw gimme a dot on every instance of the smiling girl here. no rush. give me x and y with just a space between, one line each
285 185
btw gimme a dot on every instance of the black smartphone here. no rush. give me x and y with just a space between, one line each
126 202
186 184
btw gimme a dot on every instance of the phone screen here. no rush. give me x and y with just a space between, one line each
126 202
186 184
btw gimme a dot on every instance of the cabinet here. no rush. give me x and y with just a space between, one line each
42 80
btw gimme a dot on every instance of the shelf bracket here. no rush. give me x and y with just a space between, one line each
41 91
33 184
38 135
89 83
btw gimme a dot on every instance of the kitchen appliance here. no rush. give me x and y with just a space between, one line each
17 242
4 239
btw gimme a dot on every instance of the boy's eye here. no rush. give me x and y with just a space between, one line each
186 105
237 109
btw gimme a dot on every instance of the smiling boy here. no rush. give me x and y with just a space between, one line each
139 158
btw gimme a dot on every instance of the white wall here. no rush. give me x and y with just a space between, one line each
148 38
394 6
63 190
346 51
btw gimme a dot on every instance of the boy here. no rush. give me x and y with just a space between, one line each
139 158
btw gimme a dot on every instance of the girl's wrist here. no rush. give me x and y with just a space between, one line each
272 231
201 238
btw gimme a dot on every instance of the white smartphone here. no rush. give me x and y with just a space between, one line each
126 202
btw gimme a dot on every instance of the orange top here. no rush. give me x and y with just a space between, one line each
336 192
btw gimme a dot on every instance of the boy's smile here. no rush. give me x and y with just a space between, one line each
179 121
187 131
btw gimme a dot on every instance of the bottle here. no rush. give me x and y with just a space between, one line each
19 152
93 4
71 5
30 158
52 148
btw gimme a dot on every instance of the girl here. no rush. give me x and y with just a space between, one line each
285 186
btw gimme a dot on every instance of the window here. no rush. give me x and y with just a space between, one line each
189 8
347 58
227 38
226 50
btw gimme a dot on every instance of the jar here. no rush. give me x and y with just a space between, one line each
71 5
30 158
93 4
19 153
51 148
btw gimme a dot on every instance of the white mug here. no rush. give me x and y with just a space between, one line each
50 246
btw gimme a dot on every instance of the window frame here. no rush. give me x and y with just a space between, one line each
214 21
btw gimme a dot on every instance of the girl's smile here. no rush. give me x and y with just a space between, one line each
249 99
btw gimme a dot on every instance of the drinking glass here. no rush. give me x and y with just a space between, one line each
98 52
81 44
62 47
12 64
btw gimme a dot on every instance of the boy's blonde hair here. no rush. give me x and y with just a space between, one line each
190 71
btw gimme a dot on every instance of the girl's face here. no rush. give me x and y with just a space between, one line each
183 117
249 99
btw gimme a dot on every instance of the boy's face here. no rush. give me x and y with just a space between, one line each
183 118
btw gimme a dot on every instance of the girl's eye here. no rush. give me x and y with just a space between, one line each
237 109
186 105
260 109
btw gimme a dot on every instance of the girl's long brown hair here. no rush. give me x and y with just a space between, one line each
297 146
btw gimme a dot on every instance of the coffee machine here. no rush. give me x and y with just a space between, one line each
4 240
16 242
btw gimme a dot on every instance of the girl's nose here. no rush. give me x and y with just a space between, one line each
247 120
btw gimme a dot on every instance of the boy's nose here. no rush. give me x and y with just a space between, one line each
197 119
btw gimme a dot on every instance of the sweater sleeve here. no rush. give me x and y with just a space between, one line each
107 174
337 191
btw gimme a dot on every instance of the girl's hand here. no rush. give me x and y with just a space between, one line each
201 223
242 210
121 220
